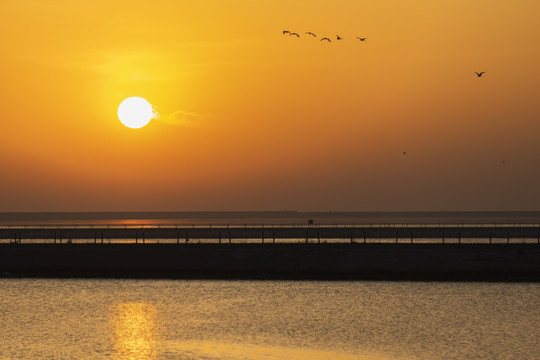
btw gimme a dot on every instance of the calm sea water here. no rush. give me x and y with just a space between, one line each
155 319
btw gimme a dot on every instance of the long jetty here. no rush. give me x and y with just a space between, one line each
271 233
355 252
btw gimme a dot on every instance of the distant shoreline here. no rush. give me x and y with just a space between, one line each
273 216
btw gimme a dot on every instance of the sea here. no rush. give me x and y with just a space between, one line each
44 318
263 320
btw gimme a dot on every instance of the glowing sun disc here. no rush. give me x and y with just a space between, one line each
135 112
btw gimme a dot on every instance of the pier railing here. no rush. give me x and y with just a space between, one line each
271 233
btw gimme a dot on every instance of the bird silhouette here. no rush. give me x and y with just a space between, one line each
503 161
310 33
286 32
295 34
479 74
361 39
338 37
327 39
404 153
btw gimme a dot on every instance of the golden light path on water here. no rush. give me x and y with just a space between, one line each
238 351
135 331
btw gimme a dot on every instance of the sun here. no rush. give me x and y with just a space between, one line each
135 112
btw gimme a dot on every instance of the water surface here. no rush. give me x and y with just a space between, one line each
167 319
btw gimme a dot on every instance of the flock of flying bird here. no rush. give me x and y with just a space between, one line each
291 33
285 32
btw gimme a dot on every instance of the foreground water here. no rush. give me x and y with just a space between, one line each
149 319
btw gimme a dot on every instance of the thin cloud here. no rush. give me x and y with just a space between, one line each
182 118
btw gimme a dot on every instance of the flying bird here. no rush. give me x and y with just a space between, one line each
361 39
404 153
338 37
327 39
295 34
286 32
479 74
310 33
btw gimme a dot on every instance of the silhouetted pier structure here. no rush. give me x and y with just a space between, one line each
264 233
356 252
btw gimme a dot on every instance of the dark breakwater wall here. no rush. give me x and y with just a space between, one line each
460 262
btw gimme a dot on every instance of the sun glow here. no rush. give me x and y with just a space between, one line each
135 112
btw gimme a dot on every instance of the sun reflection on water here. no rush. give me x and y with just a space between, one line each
239 351
135 331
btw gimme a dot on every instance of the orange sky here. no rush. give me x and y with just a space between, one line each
254 120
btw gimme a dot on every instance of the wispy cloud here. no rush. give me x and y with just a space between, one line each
183 118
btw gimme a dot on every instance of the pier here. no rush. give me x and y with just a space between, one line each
426 252
265 233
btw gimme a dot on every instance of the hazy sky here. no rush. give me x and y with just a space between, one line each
251 119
